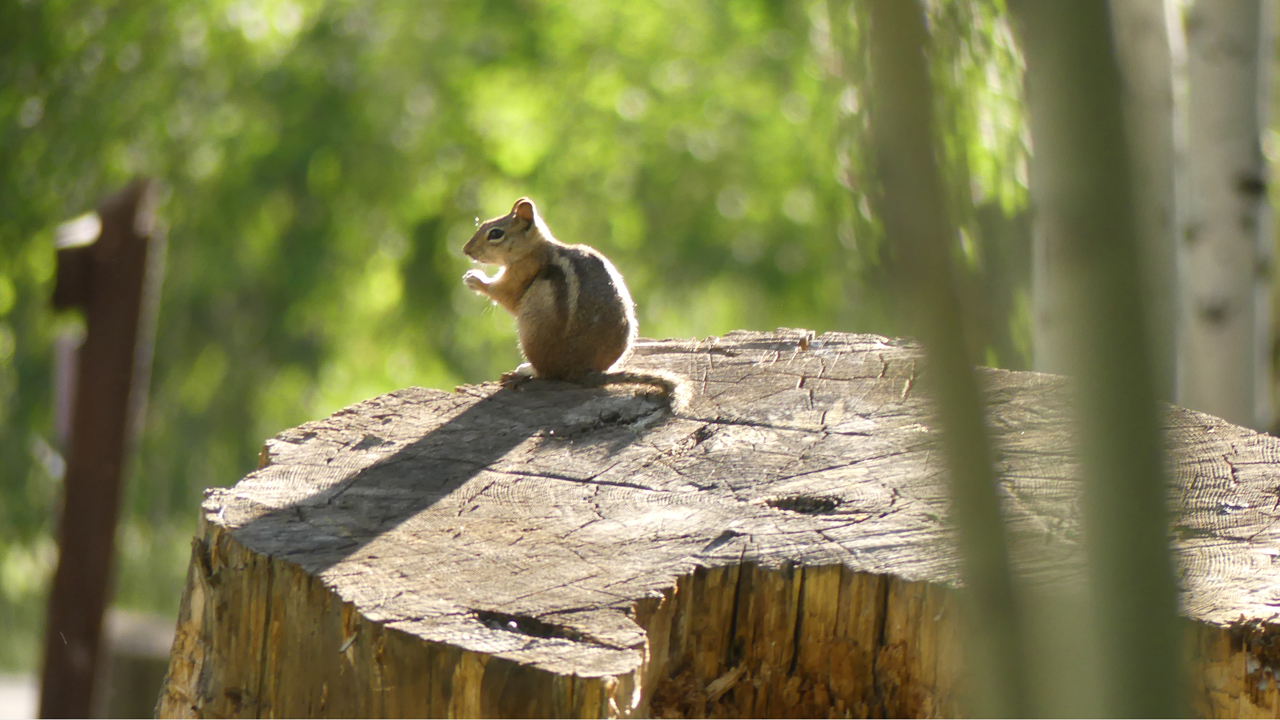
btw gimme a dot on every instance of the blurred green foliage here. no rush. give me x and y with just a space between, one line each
324 160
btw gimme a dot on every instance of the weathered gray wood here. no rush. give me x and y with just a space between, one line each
780 548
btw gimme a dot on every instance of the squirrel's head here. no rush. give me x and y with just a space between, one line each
502 238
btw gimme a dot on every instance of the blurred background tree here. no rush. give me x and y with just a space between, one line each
324 160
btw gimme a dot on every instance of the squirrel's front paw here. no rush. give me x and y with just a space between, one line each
475 280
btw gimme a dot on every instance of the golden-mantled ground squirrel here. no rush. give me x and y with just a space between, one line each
574 316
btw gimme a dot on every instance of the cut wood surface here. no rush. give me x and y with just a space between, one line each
780 548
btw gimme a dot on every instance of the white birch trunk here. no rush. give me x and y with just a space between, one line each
1225 333
1152 55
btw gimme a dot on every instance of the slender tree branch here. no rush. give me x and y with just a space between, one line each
914 213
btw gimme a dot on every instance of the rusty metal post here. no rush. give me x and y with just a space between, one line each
114 282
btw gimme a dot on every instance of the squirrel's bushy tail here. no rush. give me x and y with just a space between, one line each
675 388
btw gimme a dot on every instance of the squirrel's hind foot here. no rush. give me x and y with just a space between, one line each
516 378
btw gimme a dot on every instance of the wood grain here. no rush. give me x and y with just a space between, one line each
781 548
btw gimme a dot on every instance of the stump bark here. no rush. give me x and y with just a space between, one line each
780 548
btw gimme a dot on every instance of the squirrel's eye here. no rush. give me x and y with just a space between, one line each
495 233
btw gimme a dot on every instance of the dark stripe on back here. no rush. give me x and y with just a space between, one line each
554 274
591 271
598 302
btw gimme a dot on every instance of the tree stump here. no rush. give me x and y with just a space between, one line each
780 548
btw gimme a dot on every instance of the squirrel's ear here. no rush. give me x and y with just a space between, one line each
525 210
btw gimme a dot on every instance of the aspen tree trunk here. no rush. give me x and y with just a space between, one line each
1050 289
1085 179
1225 334
1151 50
915 219
1152 58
